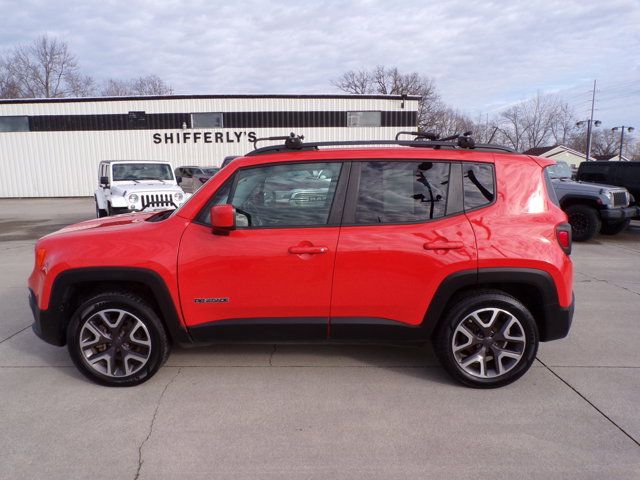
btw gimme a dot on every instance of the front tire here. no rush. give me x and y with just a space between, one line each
614 228
585 222
487 340
100 213
116 339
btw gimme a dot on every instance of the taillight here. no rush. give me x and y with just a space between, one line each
563 235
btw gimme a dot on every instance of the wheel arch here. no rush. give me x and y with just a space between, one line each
532 287
72 287
571 200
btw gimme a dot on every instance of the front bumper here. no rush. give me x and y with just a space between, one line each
619 214
45 325
557 321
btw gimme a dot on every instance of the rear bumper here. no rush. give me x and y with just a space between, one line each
557 322
620 214
46 326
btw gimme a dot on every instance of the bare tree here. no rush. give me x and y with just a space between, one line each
390 81
537 122
45 68
145 85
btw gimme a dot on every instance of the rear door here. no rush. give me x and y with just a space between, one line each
403 232
271 277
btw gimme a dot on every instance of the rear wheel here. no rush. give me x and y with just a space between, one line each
585 222
613 228
116 339
487 340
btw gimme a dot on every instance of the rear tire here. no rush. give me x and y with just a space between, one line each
116 339
585 222
487 340
613 228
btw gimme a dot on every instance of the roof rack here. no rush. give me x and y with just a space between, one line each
294 142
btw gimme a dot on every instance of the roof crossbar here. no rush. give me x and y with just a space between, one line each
294 143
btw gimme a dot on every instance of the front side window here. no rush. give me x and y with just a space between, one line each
399 192
479 185
286 195
206 120
141 171
14 124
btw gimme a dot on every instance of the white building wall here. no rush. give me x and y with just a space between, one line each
65 163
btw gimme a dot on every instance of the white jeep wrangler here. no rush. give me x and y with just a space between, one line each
136 186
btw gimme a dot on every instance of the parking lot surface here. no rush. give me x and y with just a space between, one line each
323 411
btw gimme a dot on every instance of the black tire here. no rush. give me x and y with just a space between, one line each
100 213
116 210
485 302
614 228
585 222
122 349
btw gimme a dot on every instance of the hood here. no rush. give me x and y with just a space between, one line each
155 186
568 184
115 221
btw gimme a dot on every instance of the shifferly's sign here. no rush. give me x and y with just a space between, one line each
203 137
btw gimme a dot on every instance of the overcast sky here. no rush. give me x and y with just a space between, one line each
482 55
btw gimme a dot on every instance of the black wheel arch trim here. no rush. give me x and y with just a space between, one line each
553 320
50 324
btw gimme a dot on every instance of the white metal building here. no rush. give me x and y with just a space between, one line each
52 147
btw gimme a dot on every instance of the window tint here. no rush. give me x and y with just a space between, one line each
281 195
364 119
479 187
14 124
396 192
206 120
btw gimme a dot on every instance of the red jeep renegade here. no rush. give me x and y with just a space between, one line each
413 240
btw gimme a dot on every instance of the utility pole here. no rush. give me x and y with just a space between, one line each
593 102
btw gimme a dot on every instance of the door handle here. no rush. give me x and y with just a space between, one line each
443 245
308 249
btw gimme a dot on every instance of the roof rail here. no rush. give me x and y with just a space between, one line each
462 142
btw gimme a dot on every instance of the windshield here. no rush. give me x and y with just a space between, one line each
210 170
142 171
559 170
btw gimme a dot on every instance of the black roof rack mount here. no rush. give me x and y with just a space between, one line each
293 142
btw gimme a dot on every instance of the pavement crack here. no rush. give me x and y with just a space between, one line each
608 283
153 421
589 402
11 336
273 352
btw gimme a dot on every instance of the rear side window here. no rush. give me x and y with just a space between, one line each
398 192
551 192
479 185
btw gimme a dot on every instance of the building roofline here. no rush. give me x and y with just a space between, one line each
203 97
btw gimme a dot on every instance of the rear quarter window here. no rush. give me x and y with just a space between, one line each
479 185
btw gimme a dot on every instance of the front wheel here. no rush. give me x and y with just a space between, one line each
100 213
614 228
487 340
585 222
117 339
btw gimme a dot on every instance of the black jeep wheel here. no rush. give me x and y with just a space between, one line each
100 212
585 222
116 339
487 340
613 228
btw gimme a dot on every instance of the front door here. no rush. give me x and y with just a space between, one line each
271 277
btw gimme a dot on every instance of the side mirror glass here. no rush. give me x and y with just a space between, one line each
104 181
223 219
178 179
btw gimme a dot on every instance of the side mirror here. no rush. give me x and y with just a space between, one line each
223 219
178 179
104 181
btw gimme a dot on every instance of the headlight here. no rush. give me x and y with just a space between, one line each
178 196
133 198
609 196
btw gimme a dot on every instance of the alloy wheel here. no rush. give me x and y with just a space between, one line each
488 343
115 343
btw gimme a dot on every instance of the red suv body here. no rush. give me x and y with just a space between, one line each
462 247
